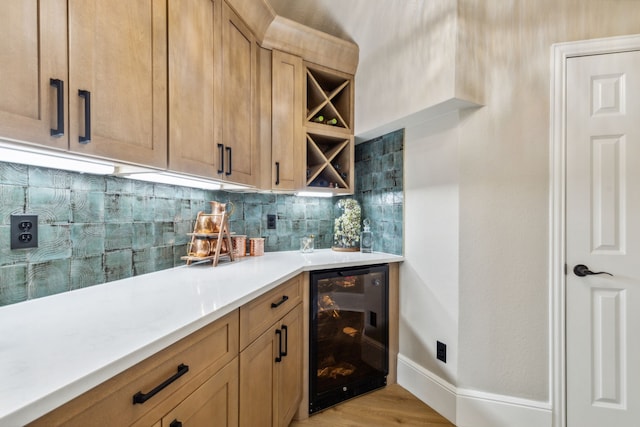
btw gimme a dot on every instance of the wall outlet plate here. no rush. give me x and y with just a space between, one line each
24 231
271 221
441 351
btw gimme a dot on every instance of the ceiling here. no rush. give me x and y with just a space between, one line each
368 23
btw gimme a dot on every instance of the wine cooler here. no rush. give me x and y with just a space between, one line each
349 334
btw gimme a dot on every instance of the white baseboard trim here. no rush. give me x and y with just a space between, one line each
428 387
471 408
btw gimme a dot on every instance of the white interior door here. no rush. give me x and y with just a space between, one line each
603 234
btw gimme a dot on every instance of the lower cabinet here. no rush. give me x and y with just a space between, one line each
271 374
182 379
208 378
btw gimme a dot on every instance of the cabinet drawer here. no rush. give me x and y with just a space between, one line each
111 403
257 315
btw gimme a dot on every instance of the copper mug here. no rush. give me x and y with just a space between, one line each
200 247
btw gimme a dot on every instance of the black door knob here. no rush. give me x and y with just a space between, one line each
582 270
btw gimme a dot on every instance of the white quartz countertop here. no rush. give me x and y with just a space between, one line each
55 348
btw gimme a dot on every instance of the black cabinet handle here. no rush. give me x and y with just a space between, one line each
87 116
279 303
229 167
221 156
59 85
175 423
141 397
277 173
286 340
279 356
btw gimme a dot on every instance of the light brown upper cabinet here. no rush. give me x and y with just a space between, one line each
286 123
238 148
33 69
104 95
195 86
117 80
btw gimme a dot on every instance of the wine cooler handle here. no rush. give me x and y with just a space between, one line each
87 116
221 155
59 85
141 397
279 357
286 340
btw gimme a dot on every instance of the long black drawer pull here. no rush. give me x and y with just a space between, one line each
286 340
141 397
87 116
59 85
229 166
279 356
175 423
279 303
221 155
277 173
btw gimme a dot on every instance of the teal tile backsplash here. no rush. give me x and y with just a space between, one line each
95 229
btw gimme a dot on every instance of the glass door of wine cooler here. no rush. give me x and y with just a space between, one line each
349 334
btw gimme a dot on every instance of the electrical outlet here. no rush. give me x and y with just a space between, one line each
441 351
271 222
24 231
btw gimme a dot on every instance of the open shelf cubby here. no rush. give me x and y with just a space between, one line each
329 129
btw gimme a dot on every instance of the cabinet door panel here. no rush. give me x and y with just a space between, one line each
239 74
33 40
214 404
117 52
257 381
289 374
194 85
287 139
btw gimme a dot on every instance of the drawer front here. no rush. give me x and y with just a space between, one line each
257 315
111 403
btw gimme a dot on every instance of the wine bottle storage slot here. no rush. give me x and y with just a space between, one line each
328 161
328 100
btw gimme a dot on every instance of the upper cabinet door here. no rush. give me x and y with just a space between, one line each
194 86
286 132
239 83
33 50
117 79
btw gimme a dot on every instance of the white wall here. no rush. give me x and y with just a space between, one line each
429 276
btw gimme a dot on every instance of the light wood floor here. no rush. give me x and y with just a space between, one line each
390 406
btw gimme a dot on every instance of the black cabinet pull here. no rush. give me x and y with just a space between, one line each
59 85
141 397
175 423
279 303
286 340
221 156
279 356
87 116
277 173
229 167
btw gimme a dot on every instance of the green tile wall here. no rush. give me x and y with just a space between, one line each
379 189
95 229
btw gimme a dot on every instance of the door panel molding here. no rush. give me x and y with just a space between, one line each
560 53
